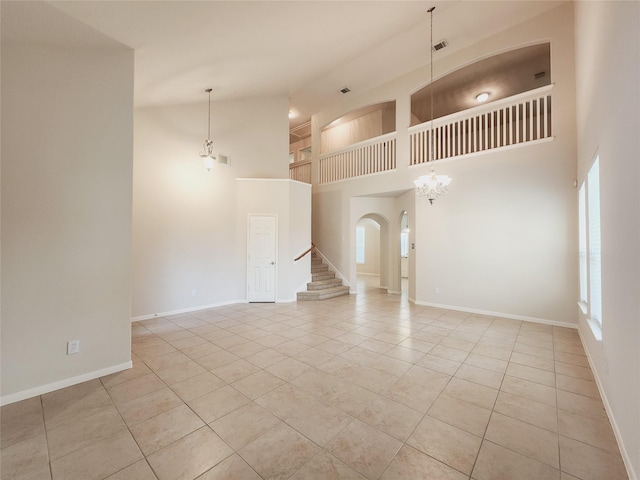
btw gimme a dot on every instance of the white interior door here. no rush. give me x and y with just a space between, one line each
261 270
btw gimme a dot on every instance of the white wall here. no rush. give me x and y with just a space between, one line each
185 224
608 116
67 122
487 245
290 201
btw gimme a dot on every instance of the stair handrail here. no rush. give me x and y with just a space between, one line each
313 245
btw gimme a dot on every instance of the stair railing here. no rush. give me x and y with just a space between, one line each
308 250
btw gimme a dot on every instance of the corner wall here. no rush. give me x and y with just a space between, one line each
608 116
67 143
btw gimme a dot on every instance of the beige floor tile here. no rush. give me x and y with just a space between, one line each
139 369
458 413
166 361
177 373
418 345
266 358
457 344
318 422
325 466
410 463
197 386
125 391
574 349
531 390
479 375
98 460
314 357
230 341
372 379
572 359
488 363
498 352
418 388
187 342
293 451
234 371
74 436
391 417
405 354
546 353
496 462
532 361
577 385
154 351
244 425
470 392
217 359
148 406
450 353
247 349
446 443
165 428
439 364
25 460
21 421
218 403
590 463
257 384
524 438
527 410
200 351
137 471
596 432
189 456
364 448
581 405
233 468
73 403
288 369
541 342
532 374
575 371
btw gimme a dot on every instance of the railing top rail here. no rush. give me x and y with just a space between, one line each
313 245
487 107
299 164
363 143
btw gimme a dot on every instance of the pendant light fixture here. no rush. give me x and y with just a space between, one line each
431 185
207 148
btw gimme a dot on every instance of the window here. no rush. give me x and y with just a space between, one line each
582 246
360 245
595 253
404 244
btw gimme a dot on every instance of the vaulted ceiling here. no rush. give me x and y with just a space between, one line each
306 50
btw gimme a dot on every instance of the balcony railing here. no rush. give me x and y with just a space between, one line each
300 171
518 119
364 158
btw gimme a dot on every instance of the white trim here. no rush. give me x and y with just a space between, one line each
500 314
583 307
607 408
596 329
67 382
184 310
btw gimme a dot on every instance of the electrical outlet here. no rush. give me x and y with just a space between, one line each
194 292
606 367
73 346
436 290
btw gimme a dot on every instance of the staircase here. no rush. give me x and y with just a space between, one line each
324 283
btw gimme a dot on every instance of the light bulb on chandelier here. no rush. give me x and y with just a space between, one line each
431 186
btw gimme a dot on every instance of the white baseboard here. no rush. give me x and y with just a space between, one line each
67 382
612 419
185 310
498 314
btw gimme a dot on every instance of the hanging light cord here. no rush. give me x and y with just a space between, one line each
208 90
431 152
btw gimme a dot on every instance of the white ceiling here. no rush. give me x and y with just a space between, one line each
306 50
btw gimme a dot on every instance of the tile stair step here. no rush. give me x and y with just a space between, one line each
319 268
322 284
323 294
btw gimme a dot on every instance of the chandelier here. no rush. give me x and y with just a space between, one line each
207 154
431 185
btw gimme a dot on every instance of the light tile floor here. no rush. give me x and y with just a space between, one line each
364 386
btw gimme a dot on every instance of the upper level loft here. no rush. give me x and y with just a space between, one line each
498 102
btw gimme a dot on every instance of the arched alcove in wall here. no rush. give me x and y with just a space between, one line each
372 249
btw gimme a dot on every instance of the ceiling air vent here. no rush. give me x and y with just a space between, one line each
440 46
540 75
344 90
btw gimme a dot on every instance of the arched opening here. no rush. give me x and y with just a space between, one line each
372 252
404 253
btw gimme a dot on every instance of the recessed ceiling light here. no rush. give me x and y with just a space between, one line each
482 97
